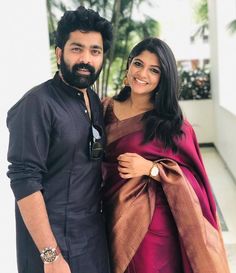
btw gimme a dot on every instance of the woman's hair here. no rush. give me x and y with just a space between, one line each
85 20
165 120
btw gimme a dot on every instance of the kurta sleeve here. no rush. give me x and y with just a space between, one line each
29 126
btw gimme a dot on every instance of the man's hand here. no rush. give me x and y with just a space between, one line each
133 165
59 266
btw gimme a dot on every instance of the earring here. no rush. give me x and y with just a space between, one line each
125 81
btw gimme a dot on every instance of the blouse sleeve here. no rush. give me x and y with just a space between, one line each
29 126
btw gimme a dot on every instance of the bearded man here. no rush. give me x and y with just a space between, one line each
55 151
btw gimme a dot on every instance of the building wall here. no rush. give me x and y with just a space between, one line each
223 63
200 114
25 62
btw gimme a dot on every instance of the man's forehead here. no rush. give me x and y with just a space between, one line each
88 38
85 45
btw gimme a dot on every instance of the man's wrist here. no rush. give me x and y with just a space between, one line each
50 254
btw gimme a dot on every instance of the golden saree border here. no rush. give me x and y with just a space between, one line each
202 242
130 212
119 128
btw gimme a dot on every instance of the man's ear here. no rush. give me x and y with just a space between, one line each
58 52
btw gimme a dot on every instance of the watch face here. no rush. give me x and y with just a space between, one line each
49 255
154 171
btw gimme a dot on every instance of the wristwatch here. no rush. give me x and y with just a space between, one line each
50 254
154 171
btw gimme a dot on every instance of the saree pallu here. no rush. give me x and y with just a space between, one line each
131 205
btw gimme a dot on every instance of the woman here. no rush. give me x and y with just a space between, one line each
160 209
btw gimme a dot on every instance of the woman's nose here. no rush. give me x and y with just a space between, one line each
143 72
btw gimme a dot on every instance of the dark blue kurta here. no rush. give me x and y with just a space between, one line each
50 132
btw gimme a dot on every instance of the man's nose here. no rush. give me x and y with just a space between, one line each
85 57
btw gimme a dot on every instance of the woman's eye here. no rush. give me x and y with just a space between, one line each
137 63
156 71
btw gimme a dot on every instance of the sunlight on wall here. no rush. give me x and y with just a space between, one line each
24 55
177 26
227 60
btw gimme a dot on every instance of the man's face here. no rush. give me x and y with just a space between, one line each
81 59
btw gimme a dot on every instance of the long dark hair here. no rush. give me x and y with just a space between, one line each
165 120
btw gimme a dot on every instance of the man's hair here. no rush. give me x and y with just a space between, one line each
85 20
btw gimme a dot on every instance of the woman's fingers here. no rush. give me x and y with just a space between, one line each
127 156
125 176
132 165
123 169
124 164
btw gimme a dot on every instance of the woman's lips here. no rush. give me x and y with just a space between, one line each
142 82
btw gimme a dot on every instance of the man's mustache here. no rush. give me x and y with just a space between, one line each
88 67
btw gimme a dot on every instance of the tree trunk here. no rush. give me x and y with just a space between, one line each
50 17
103 79
124 59
115 21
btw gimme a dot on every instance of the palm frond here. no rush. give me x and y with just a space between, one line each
232 26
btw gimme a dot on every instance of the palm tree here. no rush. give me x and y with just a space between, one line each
201 15
115 21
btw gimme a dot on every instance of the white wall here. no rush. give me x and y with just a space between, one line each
223 63
25 62
200 114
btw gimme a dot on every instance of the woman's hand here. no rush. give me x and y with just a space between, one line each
133 165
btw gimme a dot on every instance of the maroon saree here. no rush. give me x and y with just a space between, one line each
168 225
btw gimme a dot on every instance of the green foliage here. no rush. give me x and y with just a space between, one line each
201 12
201 17
232 27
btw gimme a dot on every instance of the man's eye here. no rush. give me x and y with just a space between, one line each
75 49
96 52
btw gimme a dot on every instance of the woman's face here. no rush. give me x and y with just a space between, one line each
144 73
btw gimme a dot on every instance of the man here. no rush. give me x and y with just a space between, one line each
55 151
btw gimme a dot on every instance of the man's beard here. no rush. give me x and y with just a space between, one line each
74 78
